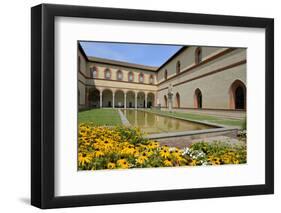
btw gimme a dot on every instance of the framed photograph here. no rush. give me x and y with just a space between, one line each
139 106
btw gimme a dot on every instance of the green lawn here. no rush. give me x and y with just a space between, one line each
208 118
100 117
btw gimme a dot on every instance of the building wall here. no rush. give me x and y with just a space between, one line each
214 86
187 59
219 68
114 69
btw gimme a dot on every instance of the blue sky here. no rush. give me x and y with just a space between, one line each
146 54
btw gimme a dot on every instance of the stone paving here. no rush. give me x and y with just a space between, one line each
182 142
217 113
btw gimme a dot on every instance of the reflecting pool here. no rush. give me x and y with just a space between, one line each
152 123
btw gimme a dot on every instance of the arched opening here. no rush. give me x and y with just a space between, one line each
178 67
198 55
150 100
165 101
151 79
119 75
107 74
130 76
177 100
119 99
93 72
141 100
141 78
130 99
94 98
237 94
107 98
198 99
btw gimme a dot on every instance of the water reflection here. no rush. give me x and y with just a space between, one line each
153 123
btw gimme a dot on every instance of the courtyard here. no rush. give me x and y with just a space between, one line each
105 142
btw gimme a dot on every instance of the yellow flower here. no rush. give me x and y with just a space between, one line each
215 161
177 154
168 162
142 158
123 164
236 161
98 153
164 153
153 145
111 165
193 162
128 150
84 158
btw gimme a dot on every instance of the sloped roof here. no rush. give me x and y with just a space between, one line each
121 63
126 64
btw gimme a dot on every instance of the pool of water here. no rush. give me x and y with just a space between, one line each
153 123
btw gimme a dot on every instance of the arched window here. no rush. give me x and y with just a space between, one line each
165 101
151 79
141 78
178 100
178 68
165 74
107 74
130 76
93 72
198 55
237 94
119 75
198 99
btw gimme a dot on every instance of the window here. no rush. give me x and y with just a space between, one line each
119 75
130 76
237 95
178 67
198 99
141 78
178 100
166 74
198 55
94 72
151 79
107 74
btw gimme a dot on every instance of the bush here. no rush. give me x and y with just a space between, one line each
122 148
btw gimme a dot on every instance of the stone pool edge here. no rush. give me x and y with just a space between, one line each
123 118
195 133
191 120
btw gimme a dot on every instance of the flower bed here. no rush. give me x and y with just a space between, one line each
123 148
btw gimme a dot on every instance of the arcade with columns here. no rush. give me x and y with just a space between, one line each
103 97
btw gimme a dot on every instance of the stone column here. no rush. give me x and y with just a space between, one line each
113 99
136 100
125 100
145 100
155 100
100 98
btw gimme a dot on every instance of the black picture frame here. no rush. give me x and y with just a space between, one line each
43 110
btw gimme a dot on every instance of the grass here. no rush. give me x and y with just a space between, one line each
99 117
208 118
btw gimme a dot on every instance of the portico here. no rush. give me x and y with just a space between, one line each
102 97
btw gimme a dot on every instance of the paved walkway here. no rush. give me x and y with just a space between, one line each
217 113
